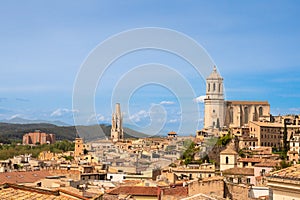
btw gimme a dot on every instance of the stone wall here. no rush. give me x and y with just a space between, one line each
211 186
236 191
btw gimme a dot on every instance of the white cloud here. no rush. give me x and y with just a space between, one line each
167 103
98 117
15 116
137 117
173 120
62 111
200 99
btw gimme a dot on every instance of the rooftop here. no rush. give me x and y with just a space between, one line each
13 191
135 190
292 173
23 177
266 103
229 150
239 171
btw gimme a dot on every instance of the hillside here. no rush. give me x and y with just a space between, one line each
14 132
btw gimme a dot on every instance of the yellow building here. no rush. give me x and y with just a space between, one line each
79 147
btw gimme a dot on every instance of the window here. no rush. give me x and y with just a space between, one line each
248 180
214 87
227 160
208 87
239 180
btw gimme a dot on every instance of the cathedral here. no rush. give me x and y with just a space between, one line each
116 133
219 113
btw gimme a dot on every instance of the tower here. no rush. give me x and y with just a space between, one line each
116 133
79 147
214 104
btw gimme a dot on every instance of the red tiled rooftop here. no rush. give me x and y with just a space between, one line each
135 190
257 160
239 171
23 177
176 191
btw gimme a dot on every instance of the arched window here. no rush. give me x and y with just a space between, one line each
227 160
208 87
214 87
219 87
260 111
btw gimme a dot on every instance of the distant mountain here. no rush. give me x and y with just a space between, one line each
19 120
14 132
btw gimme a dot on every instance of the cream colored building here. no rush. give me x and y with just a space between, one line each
271 134
285 183
219 113
228 158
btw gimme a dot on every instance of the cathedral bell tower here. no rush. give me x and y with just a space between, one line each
214 104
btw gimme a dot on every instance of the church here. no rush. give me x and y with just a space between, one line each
117 133
219 113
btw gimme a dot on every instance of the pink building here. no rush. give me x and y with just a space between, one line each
38 137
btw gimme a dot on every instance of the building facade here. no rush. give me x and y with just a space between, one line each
219 113
38 137
117 133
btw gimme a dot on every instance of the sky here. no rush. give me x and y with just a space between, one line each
254 44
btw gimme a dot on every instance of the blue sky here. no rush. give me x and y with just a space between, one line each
255 45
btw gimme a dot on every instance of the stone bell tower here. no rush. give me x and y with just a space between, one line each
116 133
214 103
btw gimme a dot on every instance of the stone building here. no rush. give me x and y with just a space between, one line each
38 137
219 113
271 134
79 147
293 153
117 133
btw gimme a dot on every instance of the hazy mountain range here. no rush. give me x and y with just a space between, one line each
19 120
14 129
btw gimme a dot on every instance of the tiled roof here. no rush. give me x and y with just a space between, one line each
257 160
229 150
267 163
13 191
249 102
22 177
135 190
176 191
292 172
239 171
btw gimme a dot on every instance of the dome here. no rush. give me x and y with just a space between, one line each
214 74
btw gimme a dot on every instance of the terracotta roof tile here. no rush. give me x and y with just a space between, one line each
22 177
257 160
239 171
176 191
135 190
